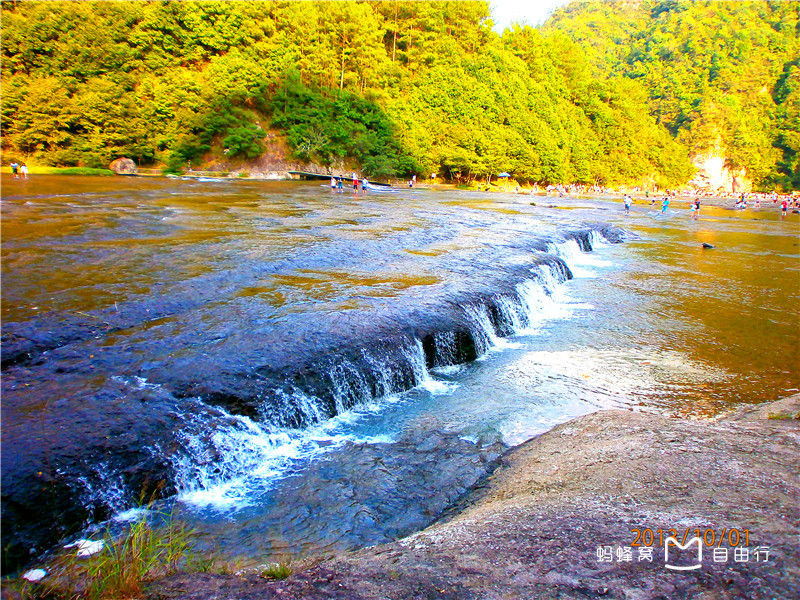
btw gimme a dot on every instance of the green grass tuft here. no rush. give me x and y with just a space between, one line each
276 571
784 416
82 171
43 170
120 569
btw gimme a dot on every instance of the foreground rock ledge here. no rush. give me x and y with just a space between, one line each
533 529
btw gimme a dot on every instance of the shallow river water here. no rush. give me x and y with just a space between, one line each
297 371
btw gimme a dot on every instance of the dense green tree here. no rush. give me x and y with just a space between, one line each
787 96
709 69
606 92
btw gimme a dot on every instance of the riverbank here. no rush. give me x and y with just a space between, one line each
44 170
282 172
562 516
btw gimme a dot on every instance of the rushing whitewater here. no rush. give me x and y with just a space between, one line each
247 452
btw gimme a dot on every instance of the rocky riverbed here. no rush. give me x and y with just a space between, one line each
566 515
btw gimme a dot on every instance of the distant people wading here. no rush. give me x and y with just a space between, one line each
627 202
14 169
24 171
355 183
665 204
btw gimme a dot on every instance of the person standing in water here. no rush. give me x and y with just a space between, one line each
665 204
627 202
14 168
355 183
339 186
23 170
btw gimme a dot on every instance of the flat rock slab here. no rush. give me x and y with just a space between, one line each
540 527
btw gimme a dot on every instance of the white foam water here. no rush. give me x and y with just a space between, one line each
448 370
132 515
218 469
221 470
577 260
483 332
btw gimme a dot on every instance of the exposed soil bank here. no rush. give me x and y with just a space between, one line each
533 529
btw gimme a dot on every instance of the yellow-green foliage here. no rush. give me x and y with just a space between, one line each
783 416
718 74
43 170
599 96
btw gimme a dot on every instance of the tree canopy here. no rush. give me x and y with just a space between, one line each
718 75
604 93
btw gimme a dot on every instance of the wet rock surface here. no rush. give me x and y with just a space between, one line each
356 496
534 528
100 382
103 441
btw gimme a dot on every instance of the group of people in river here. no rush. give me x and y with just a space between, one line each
359 185
787 202
18 170
743 201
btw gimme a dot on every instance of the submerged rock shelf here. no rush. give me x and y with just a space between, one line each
135 386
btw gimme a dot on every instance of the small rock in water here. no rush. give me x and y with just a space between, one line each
34 575
86 547
706 245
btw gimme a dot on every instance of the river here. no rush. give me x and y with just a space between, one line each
295 371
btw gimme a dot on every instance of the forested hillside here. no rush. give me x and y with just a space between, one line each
719 75
401 87
397 87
